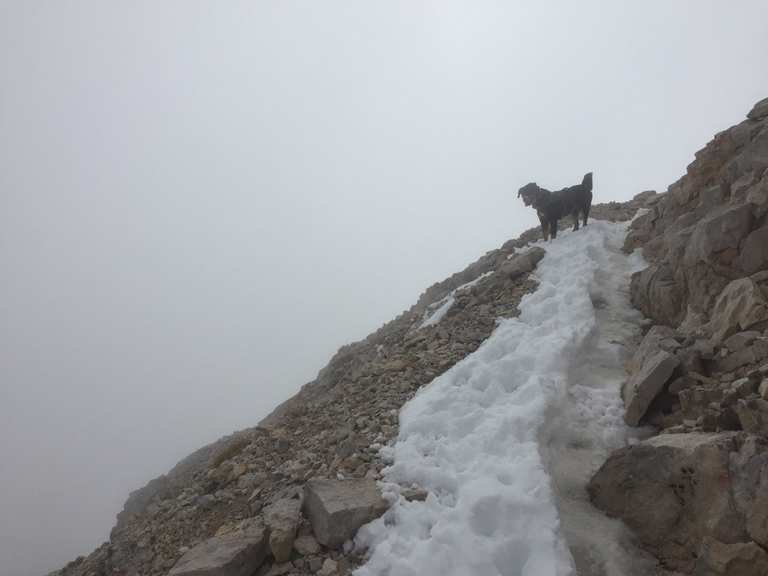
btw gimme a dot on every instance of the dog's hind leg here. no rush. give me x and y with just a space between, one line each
553 228
586 211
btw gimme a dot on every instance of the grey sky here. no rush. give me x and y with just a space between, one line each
200 202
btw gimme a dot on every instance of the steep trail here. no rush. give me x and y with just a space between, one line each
588 423
505 441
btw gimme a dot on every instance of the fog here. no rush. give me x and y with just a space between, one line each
200 202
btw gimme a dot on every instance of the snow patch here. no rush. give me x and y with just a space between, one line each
472 437
437 310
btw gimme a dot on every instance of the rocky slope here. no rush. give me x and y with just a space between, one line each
280 497
696 494
331 429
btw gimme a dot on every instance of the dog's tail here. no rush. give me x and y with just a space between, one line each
587 181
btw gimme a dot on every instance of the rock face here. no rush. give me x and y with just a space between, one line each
282 519
694 495
645 384
337 508
740 306
235 554
760 110
690 499
707 229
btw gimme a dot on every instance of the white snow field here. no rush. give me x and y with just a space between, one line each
506 440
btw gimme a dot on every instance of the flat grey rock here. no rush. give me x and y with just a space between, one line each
234 554
644 385
337 508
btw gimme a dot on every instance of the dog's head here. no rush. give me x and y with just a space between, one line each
587 181
529 193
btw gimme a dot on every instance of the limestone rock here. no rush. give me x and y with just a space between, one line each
655 291
740 305
673 490
753 415
414 494
329 568
679 385
759 110
738 559
721 230
233 554
278 569
694 401
646 383
282 519
756 352
763 390
306 545
754 252
337 508
740 340
659 337
521 264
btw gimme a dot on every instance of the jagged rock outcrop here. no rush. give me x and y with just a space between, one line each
706 230
694 495
692 500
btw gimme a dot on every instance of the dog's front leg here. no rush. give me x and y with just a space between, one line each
544 225
576 219
553 228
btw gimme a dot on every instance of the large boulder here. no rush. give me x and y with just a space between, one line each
754 252
739 306
657 338
717 237
697 500
234 554
282 519
646 383
656 293
521 264
337 508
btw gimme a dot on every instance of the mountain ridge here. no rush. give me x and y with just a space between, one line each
335 425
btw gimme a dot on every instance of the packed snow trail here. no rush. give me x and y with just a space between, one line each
510 434
588 424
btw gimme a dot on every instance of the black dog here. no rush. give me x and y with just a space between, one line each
551 206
